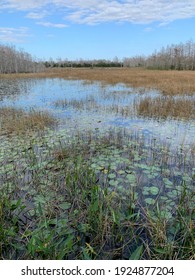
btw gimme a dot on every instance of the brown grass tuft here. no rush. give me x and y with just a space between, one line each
18 121
165 107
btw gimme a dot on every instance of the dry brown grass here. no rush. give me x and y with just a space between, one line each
18 121
167 82
165 107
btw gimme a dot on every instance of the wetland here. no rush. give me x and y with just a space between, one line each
97 164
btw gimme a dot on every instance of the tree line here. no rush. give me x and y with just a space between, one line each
83 63
17 61
174 57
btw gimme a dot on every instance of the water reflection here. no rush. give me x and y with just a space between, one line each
93 105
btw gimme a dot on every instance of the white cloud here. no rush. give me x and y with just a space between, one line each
50 24
148 29
13 35
37 15
23 5
98 11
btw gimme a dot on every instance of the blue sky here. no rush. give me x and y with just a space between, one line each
95 29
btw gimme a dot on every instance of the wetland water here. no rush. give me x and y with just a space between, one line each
101 161
93 105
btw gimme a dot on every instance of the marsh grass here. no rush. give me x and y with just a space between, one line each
87 198
152 107
18 121
166 107
167 82
92 105
88 103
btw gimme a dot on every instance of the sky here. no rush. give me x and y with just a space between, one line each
95 29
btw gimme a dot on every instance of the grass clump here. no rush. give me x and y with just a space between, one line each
166 107
88 103
18 121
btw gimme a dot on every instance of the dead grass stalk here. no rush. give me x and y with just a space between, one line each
18 121
165 107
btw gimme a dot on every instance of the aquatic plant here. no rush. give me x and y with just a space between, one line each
79 187
92 196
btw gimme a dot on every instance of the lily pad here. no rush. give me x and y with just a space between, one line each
131 178
154 190
166 214
113 183
111 176
167 182
150 201
145 192
121 172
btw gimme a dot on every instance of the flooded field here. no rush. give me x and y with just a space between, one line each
90 170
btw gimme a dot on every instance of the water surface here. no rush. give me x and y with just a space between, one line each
93 105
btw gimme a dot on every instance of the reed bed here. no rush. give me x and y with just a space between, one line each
88 103
91 105
18 121
167 82
159 107
166 107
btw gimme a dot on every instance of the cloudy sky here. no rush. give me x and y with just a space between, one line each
90 29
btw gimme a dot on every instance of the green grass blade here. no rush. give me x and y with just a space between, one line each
137 253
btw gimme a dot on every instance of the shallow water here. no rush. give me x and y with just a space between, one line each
94 106
147 160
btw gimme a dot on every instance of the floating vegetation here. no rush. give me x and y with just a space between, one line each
93 184
101 189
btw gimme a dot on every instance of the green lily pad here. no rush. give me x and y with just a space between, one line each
166 214
167 182
149 201
154 190
111 176
145 192
113 183
163 198
172 194
121 172
131 178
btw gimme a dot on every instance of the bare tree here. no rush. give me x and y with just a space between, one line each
17 61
